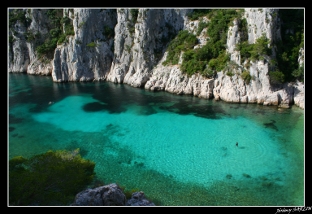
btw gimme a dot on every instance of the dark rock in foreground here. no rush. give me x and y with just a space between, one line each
109 195
138 199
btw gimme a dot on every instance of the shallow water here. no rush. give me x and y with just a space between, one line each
179 150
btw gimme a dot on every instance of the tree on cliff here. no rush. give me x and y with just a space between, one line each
52 178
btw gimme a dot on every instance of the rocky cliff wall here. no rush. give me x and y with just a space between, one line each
129 45
88 54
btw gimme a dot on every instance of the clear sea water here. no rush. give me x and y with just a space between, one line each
178 150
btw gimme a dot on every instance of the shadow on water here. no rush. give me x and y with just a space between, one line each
148 110
15 120
262 112
112 108
185 108
111 100
94 107
239 106
271 125
150 101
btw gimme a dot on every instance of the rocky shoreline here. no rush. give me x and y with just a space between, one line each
134 53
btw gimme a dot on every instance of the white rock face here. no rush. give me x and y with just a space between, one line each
298 86
18 54
262 21
301 56
299 94
87 55
23 57
38 27
259 90
229 89
138 44
192 27
171 79
134 54
19 59
233 38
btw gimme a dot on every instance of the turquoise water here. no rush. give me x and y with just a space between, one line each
178 150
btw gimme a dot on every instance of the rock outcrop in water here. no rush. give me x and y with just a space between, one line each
129 46
109 195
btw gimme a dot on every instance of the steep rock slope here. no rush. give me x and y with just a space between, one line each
130 45
88 54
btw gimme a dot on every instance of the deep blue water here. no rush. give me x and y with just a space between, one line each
178 150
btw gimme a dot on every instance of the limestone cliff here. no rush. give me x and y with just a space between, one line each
259 90
88 54
130 45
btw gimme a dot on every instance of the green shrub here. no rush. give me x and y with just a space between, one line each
213 52
260 48
128 48
81 24
29 36
193 66
131 23
68 26
55 16
299 73
182 42
230 73
18 15
134 15
108 32
47 48
213 63
92 45
201 26
196 13
65 20
246 76
78 41
212 56
222 59
55 32
292 32
70 32
255 51
208 72
286 67
61 39
243 29
276 77
56 35
52 178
